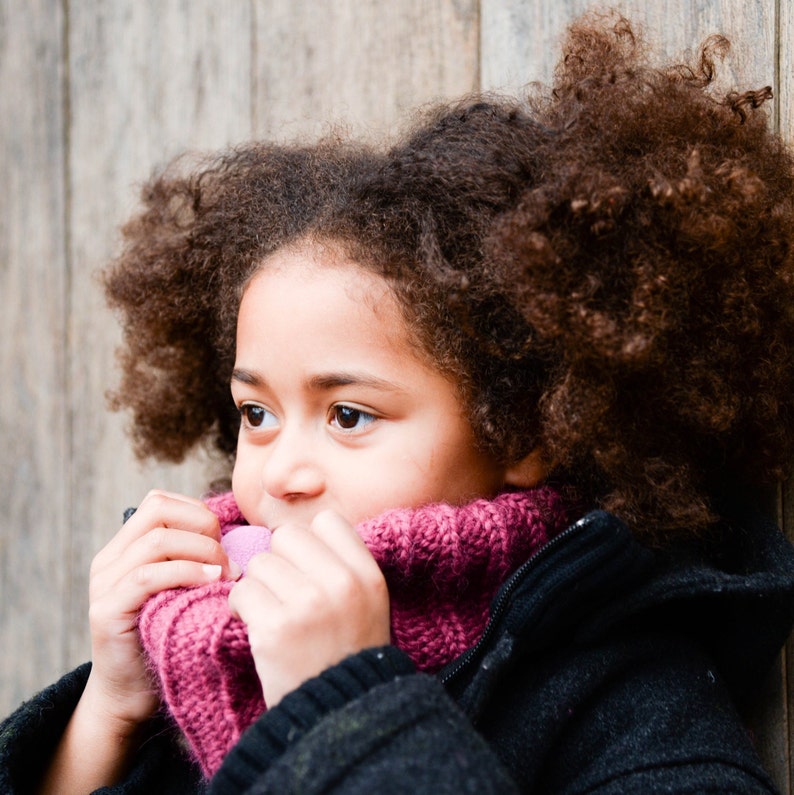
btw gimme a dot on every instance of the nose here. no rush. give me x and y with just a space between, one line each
292 469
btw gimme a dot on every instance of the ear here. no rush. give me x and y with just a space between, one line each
529 472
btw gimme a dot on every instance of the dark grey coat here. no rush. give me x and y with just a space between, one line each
605 669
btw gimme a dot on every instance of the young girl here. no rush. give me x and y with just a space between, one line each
504 397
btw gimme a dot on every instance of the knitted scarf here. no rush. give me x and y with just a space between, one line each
443 564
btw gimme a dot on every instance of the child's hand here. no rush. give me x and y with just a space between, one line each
170 541
315 598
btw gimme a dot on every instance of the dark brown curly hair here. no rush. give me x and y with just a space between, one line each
605 268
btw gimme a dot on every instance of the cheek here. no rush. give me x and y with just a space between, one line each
242 483
461 473
371 487
418 478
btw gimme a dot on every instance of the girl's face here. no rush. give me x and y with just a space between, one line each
339 411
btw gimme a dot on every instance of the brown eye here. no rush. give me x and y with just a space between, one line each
347 418
255 416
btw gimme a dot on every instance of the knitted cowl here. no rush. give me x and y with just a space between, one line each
443 564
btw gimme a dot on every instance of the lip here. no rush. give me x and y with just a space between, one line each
297 522
275 516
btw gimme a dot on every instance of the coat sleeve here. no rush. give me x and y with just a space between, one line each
30 735
370 724
633 719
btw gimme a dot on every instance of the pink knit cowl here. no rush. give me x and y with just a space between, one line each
443 564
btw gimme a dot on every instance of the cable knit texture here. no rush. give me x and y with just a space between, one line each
443 565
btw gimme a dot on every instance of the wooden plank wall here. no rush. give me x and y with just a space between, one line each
93 95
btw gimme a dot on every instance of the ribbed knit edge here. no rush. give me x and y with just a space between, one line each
299 711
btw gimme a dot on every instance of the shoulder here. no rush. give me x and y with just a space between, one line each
30 735
637 710
613 663
35 727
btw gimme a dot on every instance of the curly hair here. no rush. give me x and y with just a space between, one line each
605 268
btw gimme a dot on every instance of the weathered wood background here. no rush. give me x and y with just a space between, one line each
93 95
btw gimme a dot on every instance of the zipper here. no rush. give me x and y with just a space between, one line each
454 669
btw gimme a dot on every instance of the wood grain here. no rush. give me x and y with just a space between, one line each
359 64
34 405
520 40
90 102
148 80
126 85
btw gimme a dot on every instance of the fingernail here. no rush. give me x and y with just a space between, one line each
235 570
213 571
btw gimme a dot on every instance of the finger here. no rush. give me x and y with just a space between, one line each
295 595
331 563
132 590
178 510
278 574
164 509
251 599
361 569
340 536
304 550
303 575
329 551
164 544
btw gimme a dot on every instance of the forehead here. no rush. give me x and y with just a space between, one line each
325 265
314 300
321 275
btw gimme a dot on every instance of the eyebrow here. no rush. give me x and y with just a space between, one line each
325 381
247 377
